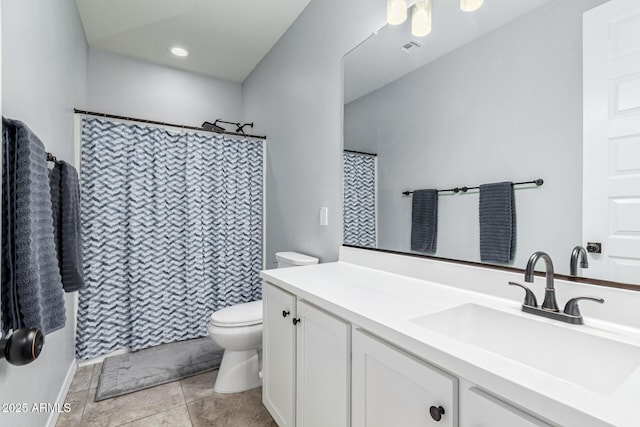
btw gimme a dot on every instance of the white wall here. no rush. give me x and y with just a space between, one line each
44 57
506 107
295 97
131 87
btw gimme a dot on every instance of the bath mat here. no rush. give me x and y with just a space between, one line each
127 373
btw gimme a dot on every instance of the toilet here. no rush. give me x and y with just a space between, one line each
238 330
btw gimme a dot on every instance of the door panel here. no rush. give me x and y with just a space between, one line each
611 184
278 361
392 388
323 369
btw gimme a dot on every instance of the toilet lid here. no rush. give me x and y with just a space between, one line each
245 314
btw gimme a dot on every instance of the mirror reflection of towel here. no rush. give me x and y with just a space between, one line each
424 221
497 222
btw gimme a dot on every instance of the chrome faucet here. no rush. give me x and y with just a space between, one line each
549 308
578 252
549 302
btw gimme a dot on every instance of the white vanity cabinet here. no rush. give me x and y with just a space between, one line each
376 348
306 362
480 409
393 388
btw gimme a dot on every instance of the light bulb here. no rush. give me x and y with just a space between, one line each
396 11
421 18
471 5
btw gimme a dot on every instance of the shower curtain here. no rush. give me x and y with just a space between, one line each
172 230
359 200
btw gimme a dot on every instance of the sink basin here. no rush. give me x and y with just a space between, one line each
590 361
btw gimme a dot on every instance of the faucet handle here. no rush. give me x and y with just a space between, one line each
572 308
529 298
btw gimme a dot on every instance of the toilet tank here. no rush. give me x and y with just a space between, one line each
294 259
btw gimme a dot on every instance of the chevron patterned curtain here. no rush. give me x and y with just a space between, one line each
172 226
359 200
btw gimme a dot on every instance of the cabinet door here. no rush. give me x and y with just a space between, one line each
484 410
323 369
278 354
393 388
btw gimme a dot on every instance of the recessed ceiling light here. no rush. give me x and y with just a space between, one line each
179 51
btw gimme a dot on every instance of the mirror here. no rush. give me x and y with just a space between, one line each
490 96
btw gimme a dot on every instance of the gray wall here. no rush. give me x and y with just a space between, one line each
506 107
295 96
44 57
131 87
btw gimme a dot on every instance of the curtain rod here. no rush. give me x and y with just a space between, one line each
537 182
360 152
153 122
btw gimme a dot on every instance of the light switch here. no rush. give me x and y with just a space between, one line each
324 216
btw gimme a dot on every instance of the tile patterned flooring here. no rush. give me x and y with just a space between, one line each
187 403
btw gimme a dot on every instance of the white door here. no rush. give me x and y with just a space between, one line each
611 184
323 369
392 388
278 354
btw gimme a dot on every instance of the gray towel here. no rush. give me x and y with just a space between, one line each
10 313
31 275
424 221
65 203
497 222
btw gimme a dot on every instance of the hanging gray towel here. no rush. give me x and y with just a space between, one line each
497 222
31 275
65 201
10 314
424 221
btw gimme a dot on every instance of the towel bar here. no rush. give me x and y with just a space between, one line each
537 182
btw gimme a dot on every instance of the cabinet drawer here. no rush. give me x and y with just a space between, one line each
484 410
392 388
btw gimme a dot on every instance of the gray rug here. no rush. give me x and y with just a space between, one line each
153 366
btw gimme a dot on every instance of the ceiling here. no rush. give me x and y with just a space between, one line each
379 60
225 39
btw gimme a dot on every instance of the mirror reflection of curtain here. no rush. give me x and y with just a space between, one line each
172 226
359 200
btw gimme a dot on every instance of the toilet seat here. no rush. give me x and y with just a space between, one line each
246 314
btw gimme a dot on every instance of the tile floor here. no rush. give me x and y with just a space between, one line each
187 403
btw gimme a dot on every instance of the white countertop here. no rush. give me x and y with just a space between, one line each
383 303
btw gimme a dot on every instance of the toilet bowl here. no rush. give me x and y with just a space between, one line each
238 330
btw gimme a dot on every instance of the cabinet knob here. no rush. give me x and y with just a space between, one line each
296 321
285 313
436 412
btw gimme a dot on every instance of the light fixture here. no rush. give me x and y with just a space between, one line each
421 14
421 18
179 51
470 5
396 11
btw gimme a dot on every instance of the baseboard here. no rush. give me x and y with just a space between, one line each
62 395
100 359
